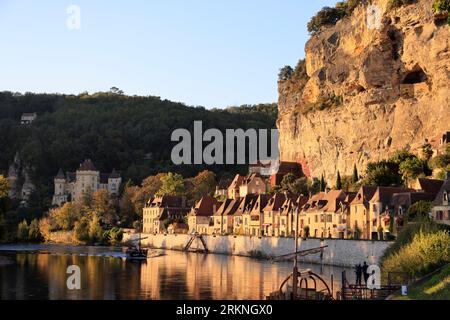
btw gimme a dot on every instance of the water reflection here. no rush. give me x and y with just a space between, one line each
175 275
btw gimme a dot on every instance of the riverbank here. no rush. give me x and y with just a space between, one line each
433 287
340 252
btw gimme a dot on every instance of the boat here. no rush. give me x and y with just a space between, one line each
137 252
302 284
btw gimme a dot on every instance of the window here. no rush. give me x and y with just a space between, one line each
445 196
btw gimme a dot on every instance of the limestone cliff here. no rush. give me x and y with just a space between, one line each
392 83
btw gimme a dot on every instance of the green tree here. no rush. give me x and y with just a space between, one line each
338 181
34 232
103 207
95 230
412 168
22 231
427 151
115 236
81 230
419 211
355 176
323 184
64 218
172 185
383 173
203 184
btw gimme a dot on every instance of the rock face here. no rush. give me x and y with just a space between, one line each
390 69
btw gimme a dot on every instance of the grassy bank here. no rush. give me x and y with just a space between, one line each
437 287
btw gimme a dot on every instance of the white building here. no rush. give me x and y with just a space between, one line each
28 118
72 186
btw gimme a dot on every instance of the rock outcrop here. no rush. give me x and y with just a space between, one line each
390 70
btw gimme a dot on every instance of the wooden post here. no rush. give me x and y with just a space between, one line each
295 271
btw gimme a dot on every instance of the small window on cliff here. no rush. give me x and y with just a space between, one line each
415 76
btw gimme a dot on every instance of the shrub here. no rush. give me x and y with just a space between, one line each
115 236
326 16
81 230
419 211
285 73
34 233
22 231
441 6
424 254
324 102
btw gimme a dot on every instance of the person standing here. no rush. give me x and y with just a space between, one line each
365 267
358 272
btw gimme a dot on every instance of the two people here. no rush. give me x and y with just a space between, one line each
361 271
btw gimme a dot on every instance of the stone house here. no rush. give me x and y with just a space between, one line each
358 219
242 215
73 186
271 214
287 210
200 218
224 217
163 209
379 210
255 216
441 205
253 184
233 188
222 188
28 118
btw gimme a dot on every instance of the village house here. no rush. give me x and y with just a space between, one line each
224 217
379 218
441 205
271 214
359 213
253 184
200 218
73 186
241 216
253 218
284 228
233 188
28 118
159 212
324 214
222 188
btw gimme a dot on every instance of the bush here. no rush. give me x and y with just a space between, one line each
407 234
424 254
285 73
326 16
441 6
22 231
34 233
81 230
115 236
419 211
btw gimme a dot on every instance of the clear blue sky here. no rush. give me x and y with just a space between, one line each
213 53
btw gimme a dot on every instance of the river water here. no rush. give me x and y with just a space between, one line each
30 272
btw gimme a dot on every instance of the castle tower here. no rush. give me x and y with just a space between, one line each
87 180
114 182
60 195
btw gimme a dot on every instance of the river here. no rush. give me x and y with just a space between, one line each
30 272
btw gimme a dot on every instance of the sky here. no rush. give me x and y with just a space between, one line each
211 53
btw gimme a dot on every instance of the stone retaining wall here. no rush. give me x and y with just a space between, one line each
345 253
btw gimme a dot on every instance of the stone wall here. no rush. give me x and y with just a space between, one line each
345 253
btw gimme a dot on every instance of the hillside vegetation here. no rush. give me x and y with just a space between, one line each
129 133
